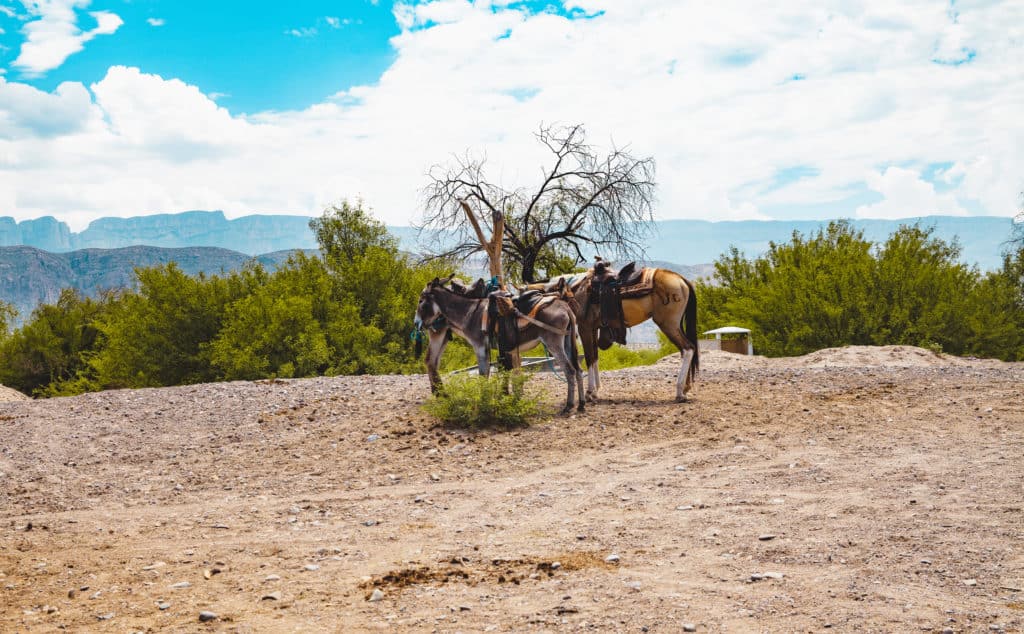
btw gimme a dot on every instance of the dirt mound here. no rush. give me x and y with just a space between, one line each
8 395
845 357
875 356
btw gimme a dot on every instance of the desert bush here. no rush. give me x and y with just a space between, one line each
475 401
836 288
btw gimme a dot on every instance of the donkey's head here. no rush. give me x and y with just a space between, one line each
428 310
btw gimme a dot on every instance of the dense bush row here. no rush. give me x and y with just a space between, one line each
348 311
835 288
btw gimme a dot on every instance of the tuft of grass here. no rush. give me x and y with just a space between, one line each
474 401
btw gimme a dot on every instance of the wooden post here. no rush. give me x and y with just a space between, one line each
493 246
493 249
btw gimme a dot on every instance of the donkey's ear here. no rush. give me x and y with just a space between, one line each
447 279
433 282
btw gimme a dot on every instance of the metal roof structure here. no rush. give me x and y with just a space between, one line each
728 330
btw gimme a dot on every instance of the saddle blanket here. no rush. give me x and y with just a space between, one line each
645 285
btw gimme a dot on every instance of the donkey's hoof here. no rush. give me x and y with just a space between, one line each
683 399
580 408
592 397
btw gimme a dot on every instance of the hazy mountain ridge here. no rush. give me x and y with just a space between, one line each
249 234
684 241
30 276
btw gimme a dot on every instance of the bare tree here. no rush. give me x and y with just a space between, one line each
584 202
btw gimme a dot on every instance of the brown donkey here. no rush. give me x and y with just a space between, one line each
671 302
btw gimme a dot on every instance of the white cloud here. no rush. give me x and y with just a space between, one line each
53 34
156 21
906 194
306 31
333 22
707 89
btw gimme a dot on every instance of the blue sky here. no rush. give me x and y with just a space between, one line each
807 110
282 56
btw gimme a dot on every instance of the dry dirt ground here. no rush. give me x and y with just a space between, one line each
859 489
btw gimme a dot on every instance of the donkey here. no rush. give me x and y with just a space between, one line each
672 300
442 310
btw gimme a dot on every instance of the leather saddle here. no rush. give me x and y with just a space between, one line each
604 294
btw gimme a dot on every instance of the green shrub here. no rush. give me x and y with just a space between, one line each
474 401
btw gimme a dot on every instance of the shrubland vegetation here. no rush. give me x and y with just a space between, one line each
349 310
835 288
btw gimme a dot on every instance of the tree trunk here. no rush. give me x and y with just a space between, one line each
529 267
491 247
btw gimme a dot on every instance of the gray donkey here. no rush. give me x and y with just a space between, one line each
539 317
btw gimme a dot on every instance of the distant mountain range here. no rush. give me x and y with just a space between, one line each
249 235
30 276
683 241
39 258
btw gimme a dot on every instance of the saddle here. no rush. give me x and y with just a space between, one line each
506 321
608 288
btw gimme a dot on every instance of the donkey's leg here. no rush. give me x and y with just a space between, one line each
435 346
556 345
574 370
670 325
483 358
590 356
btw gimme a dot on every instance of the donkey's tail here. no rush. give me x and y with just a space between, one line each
570 341
690 329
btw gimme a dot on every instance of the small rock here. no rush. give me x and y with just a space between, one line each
633 585
612 558
689 627
756 576
205 616
995 627
372 438
435 477
370 523
311 567
680 467
376 595
970 582
773 575
948 630
272 578
294 510
686 507
162 605
181 585
766 537
272 596
105 617
71 593
555 565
